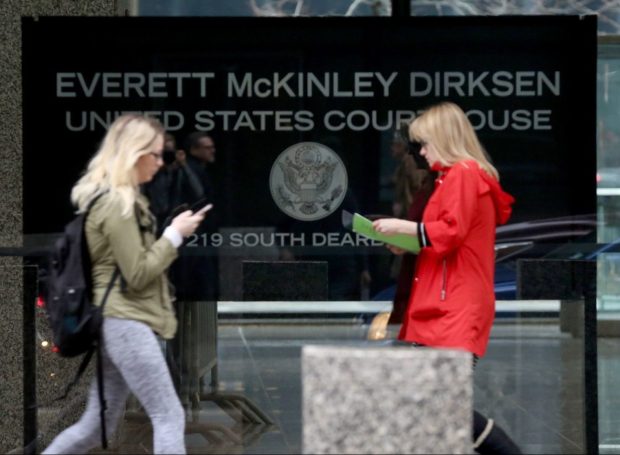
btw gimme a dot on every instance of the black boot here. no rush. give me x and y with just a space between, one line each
489 438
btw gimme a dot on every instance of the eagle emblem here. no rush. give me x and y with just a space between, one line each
308 181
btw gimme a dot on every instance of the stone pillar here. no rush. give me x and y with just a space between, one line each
11 358
386 400
11 288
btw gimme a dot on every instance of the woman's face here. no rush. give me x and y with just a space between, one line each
149 163
429 153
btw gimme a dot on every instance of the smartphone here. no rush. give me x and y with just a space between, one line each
198 205
205 209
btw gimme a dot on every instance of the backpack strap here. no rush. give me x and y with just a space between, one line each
103 406
90 352
115 275
95 198
83 364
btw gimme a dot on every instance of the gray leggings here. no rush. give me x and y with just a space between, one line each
132 362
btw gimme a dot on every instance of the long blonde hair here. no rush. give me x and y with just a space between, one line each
450 132
112 168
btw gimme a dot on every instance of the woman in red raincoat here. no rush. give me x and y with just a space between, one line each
452 303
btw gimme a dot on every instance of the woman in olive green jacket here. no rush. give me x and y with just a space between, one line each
120 233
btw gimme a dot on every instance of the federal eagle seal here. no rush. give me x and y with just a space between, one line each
308 181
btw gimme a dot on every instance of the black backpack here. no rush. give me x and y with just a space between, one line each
73 317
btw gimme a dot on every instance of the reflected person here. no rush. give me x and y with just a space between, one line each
195 274
173 185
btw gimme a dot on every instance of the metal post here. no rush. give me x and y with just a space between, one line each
590 357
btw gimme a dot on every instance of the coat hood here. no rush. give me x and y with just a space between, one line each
501 199
487 184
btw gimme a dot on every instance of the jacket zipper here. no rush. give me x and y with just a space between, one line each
444 280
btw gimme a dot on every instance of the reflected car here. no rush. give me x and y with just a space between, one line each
549 237
554 238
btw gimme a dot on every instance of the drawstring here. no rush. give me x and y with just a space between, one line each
444 280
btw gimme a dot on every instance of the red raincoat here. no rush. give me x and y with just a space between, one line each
452 300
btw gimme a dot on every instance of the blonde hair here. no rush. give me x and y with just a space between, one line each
112 168
446 127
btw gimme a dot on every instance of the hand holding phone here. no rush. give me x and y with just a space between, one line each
199 204
203 210
188 221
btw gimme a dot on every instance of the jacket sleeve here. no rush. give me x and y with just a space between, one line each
458 203
139 264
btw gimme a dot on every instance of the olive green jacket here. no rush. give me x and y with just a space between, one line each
142 293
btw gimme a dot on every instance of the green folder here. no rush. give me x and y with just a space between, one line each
363 226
